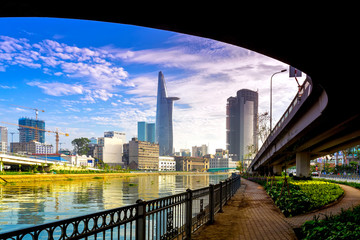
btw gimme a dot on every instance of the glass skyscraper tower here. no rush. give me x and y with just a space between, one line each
146 132
164 126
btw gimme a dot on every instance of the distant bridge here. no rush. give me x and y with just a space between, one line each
9 159
219 169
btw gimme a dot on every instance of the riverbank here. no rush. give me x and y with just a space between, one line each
69 177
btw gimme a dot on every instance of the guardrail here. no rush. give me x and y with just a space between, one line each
172 217
348 178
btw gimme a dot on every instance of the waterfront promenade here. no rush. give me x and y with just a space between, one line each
251 214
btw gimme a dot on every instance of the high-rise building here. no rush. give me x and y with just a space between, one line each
146 132
164 125
199 151
3 139
241 124
29 134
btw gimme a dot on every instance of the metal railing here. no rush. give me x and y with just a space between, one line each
172 217
346 178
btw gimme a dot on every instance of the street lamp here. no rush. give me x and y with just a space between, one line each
284 70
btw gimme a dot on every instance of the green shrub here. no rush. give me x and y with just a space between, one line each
302 196
292 202
343 226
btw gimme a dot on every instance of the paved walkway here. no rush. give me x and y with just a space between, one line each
251 214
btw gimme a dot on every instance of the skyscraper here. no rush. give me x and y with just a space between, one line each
29 134
3 139
241 124
146 132
164 126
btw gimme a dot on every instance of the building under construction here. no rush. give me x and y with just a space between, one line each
31 134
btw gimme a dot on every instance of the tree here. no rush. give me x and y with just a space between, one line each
263 126
81 145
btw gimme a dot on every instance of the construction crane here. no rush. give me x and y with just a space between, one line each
44 130
35 109
36 117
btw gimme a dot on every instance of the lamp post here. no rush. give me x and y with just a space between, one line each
284 70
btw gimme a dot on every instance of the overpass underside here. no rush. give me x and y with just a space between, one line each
317 128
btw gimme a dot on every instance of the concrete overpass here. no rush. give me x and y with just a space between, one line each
321 44
9 159
309 128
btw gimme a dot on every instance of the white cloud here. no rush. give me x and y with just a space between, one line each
57 88
89 66
7 87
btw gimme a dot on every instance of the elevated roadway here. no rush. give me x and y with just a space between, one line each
9 159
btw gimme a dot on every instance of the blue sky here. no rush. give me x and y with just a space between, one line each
92 77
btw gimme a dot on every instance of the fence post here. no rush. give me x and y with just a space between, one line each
226 191
188 209
221 197
211 203
141 220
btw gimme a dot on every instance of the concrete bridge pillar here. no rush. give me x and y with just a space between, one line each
277 169
303 164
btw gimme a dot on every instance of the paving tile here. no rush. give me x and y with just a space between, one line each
252 215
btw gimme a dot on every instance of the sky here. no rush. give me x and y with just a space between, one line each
91 77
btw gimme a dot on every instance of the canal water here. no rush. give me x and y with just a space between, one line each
28 204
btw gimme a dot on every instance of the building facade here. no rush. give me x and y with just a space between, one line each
199 151
146 132
110 148
185 153
222 162
115 134
143 155
241 124
164 123
3 139
195 164
80 161
29 134
32 147
167 164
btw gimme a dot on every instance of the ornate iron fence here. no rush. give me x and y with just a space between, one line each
172 217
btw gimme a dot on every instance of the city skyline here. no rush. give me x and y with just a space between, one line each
91 77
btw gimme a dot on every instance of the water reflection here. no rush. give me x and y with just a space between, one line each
26 204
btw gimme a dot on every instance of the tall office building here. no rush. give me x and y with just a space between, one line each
29 134
164 125
146 132
3 139
199 151
241 124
